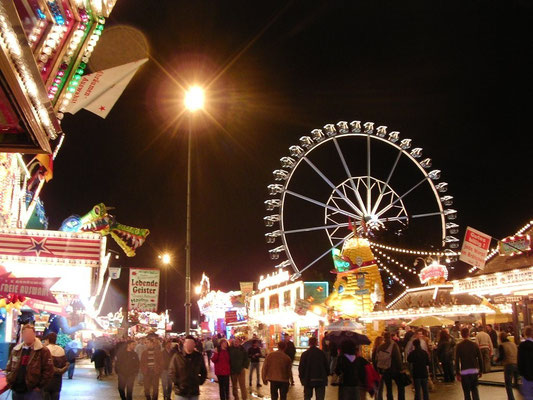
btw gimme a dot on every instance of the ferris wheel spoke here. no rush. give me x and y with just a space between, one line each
402 218
381 192
368 175
384 210
319 203
316 228
345 165
335 188
327 252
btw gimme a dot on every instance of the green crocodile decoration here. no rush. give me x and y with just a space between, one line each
99 220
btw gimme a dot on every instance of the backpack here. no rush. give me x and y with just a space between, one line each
384 358
372 379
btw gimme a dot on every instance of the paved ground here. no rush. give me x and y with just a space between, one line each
84 386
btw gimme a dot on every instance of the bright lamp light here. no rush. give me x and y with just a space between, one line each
194 98
165 258
198 289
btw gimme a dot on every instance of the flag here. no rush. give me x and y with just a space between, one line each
99 91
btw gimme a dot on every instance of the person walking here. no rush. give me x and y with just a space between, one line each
72 354
239 363
419 361
139 349
127 368
151 367
221 359
29 368
468 364
277 370
98 358
208 348
494 339
187 370
508 356
53 389
313 371
254 354
525 363
389 363
290 350
485 346
445 350
166 382
352 370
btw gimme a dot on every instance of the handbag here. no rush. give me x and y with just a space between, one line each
404 379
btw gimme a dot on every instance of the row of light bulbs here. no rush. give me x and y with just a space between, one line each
411 270
416 252
391 274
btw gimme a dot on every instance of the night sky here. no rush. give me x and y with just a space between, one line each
453 76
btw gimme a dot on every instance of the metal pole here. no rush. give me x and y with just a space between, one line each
166 284
188 240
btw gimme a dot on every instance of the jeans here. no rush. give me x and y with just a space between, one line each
485 355
208 354
151 384
447 369
510 372
388 378
27 396
349 392
279 390
125 387
320 392
223 386
421 385
166 383
527 389
187 398
239 380
469 383
71 369
254 367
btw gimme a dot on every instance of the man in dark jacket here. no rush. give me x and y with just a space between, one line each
151 367
188 371
166 381
127 368
30 367
313 371
239 362
468 364
98 358
525 363
254 354
419 361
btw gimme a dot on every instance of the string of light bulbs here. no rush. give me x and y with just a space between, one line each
391 274
411 270
494 251
414 252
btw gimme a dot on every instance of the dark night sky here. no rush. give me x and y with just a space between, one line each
453 76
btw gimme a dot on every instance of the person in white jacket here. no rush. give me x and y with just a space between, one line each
53 389
485 345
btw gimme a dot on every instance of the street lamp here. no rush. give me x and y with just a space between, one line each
194 101
165 259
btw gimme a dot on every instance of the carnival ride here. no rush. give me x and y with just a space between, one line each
353 180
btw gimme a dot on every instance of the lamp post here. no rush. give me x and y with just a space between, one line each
194 101
165 259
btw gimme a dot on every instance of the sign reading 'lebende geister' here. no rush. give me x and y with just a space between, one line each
144 289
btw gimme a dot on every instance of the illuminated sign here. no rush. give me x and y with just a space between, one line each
144 289
518 279
273 280
514 245
316 292
433 273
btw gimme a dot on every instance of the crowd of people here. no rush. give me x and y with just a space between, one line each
405 358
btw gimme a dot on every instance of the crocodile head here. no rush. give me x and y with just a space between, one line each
128 238
96 220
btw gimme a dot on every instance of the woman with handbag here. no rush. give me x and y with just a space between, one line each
419 361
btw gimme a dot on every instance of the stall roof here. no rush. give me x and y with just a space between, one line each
432 296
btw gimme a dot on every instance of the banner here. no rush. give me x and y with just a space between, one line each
316 292
514 245
475 248
114 272
143 289
230 316
246 288
51 308
35 288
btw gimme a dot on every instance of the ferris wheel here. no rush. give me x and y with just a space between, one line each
354 179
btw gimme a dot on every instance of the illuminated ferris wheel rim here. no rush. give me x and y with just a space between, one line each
333 134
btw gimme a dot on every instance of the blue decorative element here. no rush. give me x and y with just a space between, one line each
40 14
71 224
